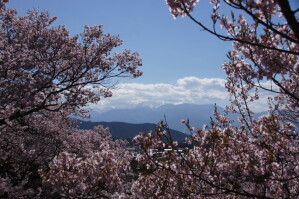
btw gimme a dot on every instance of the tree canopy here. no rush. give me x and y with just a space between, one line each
46 76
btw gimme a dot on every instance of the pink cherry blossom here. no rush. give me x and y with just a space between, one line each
258 158
46 76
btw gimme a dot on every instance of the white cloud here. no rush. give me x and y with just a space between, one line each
186 90
205 82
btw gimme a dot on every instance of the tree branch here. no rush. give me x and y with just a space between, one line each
290 17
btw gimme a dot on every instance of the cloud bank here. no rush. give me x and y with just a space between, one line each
185 90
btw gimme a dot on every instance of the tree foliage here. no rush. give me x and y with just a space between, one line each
259 157
46 75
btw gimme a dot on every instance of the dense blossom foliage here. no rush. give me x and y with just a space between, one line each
45 77
258 158
91 166
225 162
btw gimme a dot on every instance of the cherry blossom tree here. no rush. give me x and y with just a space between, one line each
260 157
91 165
46 76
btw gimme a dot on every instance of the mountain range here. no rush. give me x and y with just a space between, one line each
173 114
127 123
128 131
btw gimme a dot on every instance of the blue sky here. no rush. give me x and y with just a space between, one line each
181 63
170 48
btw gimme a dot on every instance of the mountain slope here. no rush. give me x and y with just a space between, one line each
174 114
128 130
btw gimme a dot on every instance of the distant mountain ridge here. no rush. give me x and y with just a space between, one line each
128 131
174 114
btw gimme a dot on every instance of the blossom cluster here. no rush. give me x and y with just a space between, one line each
46 77
252 157
223 163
